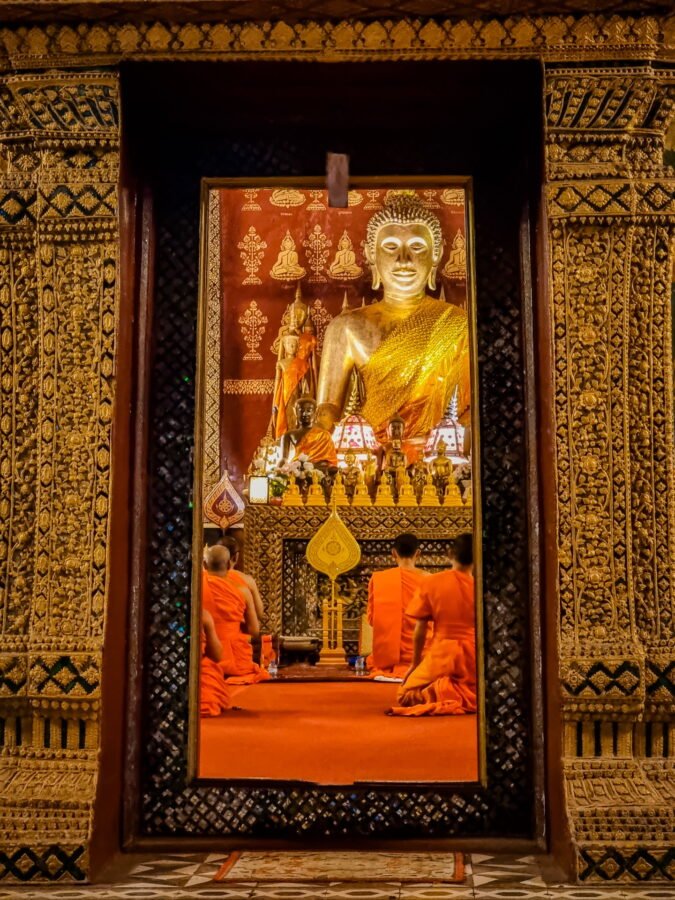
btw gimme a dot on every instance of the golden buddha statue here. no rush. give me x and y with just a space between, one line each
292 495
384 496
295 373
308 439
441 466
418 474
287 267
395 458
351 471
430 494
344 267
361 494
452 495
410 351
406 494
315 495
338 494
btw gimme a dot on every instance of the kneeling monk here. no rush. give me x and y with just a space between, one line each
214 694
231 605
242 579
444 682
389 593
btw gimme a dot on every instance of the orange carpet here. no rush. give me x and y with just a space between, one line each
334 733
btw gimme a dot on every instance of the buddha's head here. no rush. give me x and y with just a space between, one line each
344 243
441 447
396 429
290 342
287 242
305 410
404 245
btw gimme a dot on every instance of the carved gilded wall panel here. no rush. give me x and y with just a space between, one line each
611 225
58 308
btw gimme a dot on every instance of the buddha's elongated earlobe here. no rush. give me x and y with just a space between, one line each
375 277
431 281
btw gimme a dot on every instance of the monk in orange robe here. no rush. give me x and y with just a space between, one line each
389 593
214 695
443 683
231 605
243 579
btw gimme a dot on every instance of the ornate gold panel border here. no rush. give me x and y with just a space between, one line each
548 38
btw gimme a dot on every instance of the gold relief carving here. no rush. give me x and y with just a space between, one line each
429 200
318 247
316 203
541 37
354 198
611 215
252 323
344 267
287 198
211 464
251 204
287 266
58 320
455 267
453 197
248 385
373 200
252 248
320 319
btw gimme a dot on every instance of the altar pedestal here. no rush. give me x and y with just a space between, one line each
275 538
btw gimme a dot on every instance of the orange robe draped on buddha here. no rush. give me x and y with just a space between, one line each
317 445
389 593
444 683
287 384
227 605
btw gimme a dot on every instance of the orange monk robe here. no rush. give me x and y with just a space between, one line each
318 446
444 683
227 605
266 647
214 695
389 593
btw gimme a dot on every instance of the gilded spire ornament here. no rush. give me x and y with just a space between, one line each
287 267
252 248
252 322
318 247
333 550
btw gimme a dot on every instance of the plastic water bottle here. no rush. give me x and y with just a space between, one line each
273 668
360 666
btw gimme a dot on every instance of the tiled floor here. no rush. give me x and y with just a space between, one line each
190 877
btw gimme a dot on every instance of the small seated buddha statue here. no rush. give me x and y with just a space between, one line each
344 267
455 267
292 495
441 466
430 494
384 496
406 494
468 497
452 495
287 267
315 496
361 495
370 468
339 494
395 459
308 439
418 474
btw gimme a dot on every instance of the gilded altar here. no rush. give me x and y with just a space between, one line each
275 555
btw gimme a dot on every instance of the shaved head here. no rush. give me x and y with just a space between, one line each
217 559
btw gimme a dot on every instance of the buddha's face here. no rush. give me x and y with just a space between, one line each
290 344
404 259
305 413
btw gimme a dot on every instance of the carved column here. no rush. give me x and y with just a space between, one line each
59 165
611 215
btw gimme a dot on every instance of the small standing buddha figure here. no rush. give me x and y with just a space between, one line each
370 468
430 494
361 494
292 495
351 472
441 467
418 474
395 459
308 439
406 494
339 494
315 496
